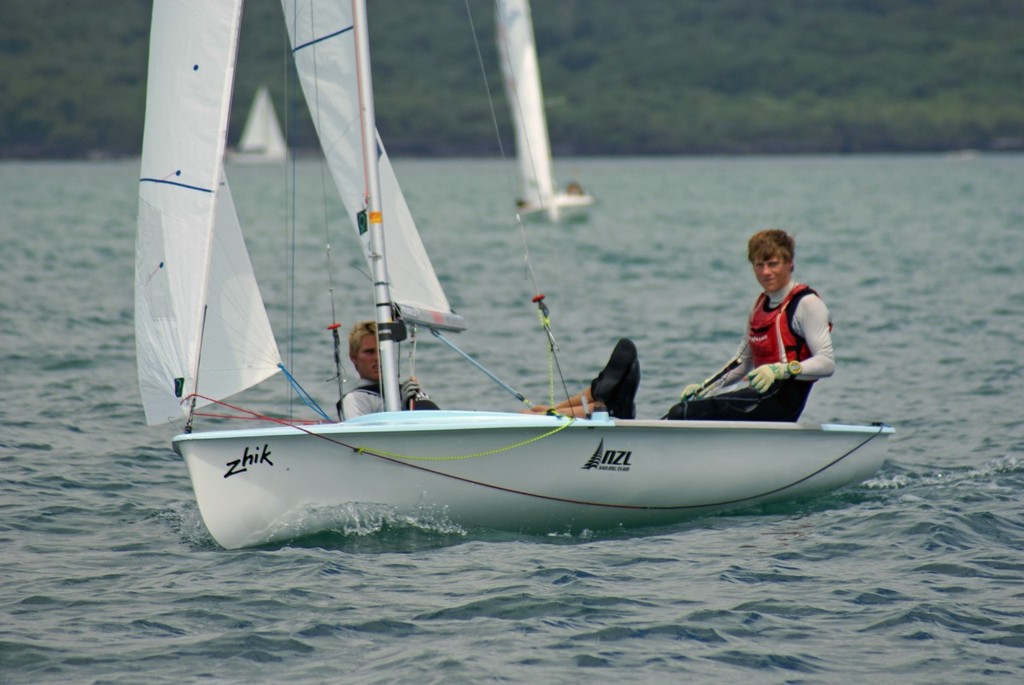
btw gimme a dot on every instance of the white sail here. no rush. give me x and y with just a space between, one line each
200 324
261 139
518 58
517 55
324 51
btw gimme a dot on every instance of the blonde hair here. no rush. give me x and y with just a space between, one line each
771 242
358 332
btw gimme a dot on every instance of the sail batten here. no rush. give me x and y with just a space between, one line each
314 41
175 183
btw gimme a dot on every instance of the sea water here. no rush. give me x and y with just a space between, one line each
915 576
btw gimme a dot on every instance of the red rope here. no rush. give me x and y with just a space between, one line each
249 414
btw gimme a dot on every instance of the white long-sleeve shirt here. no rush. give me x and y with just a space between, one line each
365 398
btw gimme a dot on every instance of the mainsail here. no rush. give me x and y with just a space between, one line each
200 323
324 52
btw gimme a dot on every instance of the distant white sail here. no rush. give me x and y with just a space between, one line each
324 52
262 138
200 324
517 54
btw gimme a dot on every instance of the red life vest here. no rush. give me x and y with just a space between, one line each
771 335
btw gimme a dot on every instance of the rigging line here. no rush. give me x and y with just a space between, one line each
476 455
328 251
199 361
323 181
487 86
250 415
504 386
331 284
306 397
291 203
527 262
373 452
544 314
412 350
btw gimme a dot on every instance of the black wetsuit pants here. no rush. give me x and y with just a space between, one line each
784 401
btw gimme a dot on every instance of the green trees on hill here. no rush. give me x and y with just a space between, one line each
643 77
72 77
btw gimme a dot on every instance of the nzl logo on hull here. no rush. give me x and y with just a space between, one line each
609 460
254 458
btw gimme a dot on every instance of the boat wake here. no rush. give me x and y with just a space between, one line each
187 522
362 524
334 527
994 470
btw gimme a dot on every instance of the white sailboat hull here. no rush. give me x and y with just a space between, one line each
511 471
557 207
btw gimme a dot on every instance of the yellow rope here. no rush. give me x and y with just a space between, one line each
365 450
545 324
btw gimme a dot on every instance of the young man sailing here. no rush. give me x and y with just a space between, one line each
787 347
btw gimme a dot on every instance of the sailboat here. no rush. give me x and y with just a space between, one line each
262 140
517 55
203 335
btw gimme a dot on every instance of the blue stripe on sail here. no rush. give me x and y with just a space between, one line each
321 39
175 183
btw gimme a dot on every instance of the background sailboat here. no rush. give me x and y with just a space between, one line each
262 139
517 54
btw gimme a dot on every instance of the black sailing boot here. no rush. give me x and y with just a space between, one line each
618 381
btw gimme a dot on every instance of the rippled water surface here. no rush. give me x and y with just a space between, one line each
916 576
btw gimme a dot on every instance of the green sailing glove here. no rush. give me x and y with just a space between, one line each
692 392
763 377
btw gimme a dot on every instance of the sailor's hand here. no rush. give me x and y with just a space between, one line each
692 391
764 376
411 391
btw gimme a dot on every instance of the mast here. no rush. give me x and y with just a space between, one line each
387 349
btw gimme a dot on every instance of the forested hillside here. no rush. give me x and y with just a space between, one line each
620 76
